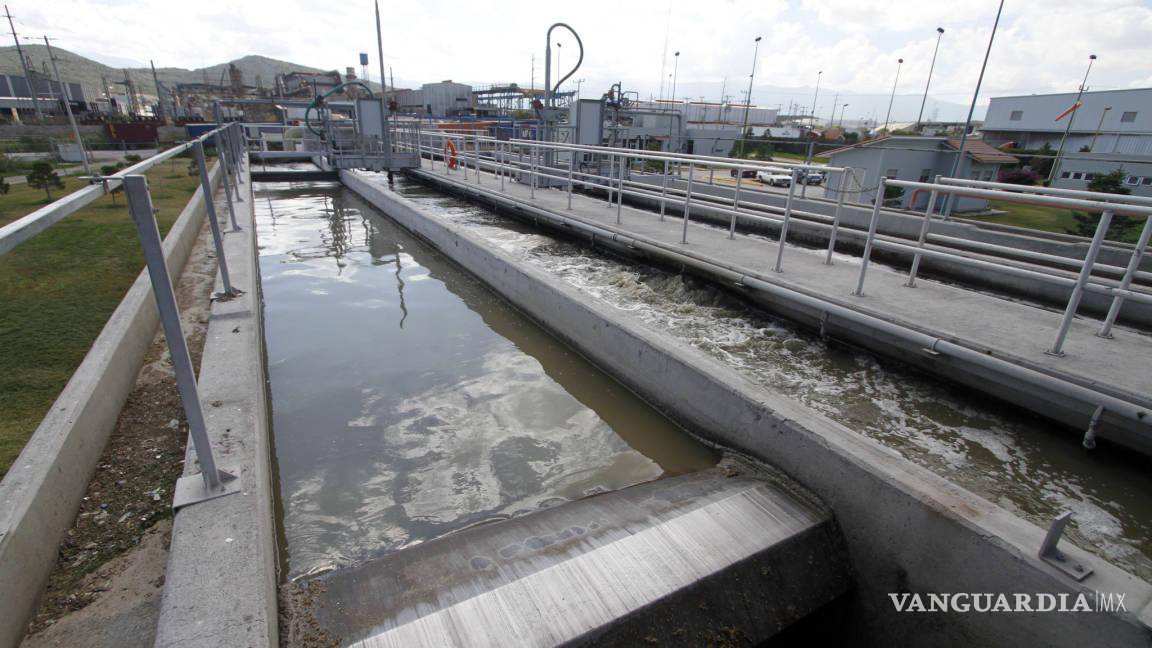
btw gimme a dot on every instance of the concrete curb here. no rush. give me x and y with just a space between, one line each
220 585
907 529
40 495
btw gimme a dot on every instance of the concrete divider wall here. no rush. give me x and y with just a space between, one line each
907 529
41 493
220 584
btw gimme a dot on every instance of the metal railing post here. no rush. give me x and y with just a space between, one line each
571 170
535 151
845 181
1081 281
213 222
608 184
501 147
228 149
664 190
911 283
1133 266
140 206
735 204
217 139
687 203
878 203
784 225
476 147
620 187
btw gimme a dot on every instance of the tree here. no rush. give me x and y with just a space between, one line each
43 177
4 186
1122 228
1018 176
107 170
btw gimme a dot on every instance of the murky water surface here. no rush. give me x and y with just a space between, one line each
1022 463
409 401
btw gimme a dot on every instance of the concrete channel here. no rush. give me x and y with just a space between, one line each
905 529
982 341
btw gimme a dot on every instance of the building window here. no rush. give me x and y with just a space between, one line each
1078 175
1016 115
1065 174
925 175
988 175
892 173
1146 181
1128 117
1132 180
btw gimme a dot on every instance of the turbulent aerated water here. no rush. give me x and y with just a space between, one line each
408 401
1027 465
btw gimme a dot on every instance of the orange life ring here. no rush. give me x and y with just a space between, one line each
450 154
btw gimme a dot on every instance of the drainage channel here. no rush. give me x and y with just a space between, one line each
410 402
1025 464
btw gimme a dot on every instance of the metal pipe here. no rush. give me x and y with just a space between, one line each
532 172
140 206
1054 191
1133 264
213 222
663 190
779 267
620 188
608 184
227 185
1081 281
687 204
571 170
735 206
844 181
911 283
859 292
1050 201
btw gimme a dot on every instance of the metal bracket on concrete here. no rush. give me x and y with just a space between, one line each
1093 424
931 350
1050 554
193 489
824 325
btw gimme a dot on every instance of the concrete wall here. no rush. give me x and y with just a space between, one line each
907 529
40 495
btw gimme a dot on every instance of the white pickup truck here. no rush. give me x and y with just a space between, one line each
775 178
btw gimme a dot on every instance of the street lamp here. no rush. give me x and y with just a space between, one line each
675 72
939 35
1103 113
558 65
842 109
892 98
948 202
748 103
66 95
1075 105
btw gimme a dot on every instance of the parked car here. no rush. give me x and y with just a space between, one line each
774 178
744 173
814 178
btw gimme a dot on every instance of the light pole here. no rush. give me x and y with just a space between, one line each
947 211
892 98
748 103
842 109
1075 105
939 35
67 96
1103 113
675 72
815 95
558 65
835 100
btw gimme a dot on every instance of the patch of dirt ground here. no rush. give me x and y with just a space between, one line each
109 575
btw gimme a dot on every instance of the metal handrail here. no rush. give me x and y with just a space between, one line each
1055 191
27 227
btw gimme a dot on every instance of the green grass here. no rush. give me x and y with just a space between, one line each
58 289
1045 219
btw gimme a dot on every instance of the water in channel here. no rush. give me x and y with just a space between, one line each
409 401
1027 465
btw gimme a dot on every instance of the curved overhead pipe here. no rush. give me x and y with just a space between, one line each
549 90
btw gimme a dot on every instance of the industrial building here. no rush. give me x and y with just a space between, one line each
921 159
439 100
15 95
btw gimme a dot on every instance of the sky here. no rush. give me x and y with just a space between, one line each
851 46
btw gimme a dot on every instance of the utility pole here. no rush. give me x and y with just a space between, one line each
1072 116
748 103
68 108
384 143
24 66
815 96
159 92
675 71
892 98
